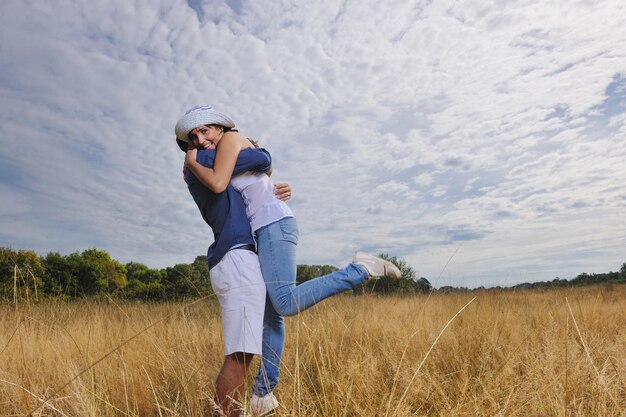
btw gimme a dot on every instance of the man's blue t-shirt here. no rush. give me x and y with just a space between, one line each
225 212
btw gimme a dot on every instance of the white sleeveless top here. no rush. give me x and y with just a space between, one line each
262 205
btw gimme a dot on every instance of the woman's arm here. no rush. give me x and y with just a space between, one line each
217 179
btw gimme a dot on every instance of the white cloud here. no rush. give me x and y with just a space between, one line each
423 179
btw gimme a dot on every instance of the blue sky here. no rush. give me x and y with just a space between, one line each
485 136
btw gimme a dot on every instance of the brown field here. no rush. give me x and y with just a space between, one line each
507 354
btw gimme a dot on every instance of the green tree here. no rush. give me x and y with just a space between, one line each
99 273
201 268
423 285
183 281
151 291
407 284
307 272
91 272
144 283
140 272
21 273
60 279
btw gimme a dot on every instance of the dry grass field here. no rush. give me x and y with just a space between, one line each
546 353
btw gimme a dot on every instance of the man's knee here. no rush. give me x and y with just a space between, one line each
239 358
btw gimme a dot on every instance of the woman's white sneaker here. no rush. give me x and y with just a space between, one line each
376 267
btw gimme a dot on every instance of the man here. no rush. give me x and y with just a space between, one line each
234 267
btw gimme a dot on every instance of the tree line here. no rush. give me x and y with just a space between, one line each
582 279
25 275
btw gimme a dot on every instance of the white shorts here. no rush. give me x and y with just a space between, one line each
238 283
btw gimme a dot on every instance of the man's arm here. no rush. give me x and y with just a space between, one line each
282 191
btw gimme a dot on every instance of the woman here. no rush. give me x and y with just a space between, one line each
276 233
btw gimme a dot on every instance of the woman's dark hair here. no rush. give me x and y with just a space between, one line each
230 129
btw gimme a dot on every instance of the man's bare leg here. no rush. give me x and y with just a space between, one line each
230 381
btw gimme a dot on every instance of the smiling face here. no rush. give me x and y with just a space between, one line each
206 137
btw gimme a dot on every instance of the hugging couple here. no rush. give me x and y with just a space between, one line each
252 260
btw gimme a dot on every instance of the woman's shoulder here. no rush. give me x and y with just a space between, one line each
238 138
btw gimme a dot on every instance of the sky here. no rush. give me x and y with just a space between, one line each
483 142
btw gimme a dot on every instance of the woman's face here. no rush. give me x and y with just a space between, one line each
206 137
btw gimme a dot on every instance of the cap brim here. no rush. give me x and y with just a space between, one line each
198 118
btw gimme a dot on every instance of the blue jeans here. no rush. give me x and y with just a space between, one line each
276 244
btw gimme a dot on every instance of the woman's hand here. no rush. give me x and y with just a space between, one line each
282 191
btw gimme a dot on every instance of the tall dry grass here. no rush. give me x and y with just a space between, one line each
549 353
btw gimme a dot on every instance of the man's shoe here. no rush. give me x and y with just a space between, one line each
376 267
260 406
